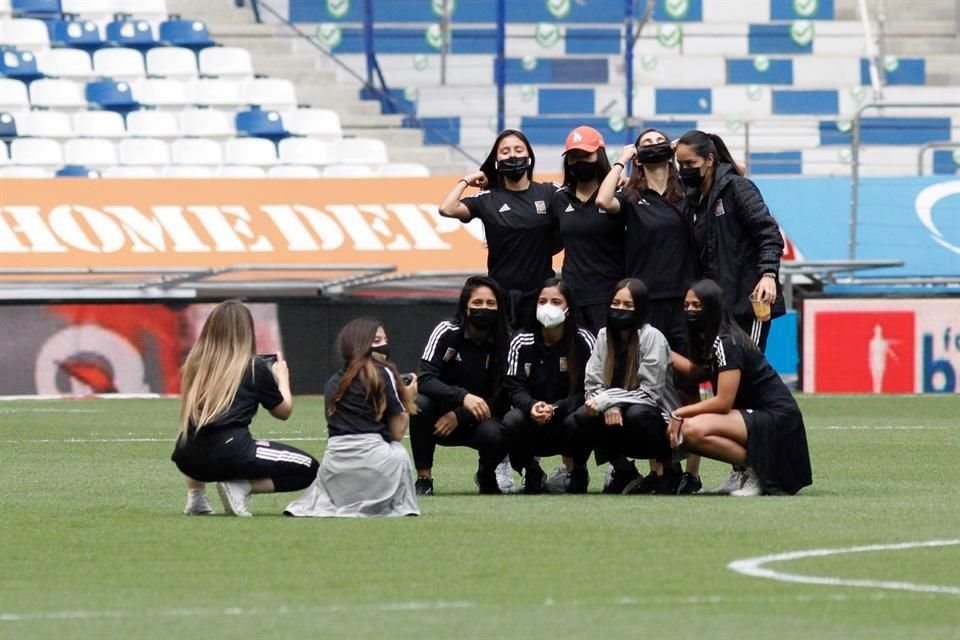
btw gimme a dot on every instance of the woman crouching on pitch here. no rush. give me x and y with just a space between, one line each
752 420
365 470
222 385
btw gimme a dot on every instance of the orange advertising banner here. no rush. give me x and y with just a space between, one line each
145 224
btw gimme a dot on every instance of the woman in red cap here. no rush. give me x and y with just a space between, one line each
593 258
521 237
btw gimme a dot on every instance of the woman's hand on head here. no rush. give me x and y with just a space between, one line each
629 153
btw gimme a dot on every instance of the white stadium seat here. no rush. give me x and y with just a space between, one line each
307 151
316 123
90 152
143 151
271 93
226 62
13 95
153 124
348 171
119 63
99 124
228 171
293 171
24 33
196 151
403 170
362 151
177 63
252 151
61 94
207 123
4 154
26 172
187 171
129 172
5 8
36 151
44 124
217 93
160 93
71 64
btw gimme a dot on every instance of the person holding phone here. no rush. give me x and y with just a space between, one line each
223 383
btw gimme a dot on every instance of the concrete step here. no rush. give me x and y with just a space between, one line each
900 10
430 156
912 46
402 137
353 120
943 71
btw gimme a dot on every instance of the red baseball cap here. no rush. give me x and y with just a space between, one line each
585 139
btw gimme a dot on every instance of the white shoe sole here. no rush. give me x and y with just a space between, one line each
228 503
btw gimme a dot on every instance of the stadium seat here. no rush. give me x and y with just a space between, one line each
112 96
191 34
361 151
262 124
316 123
90 152
20 65
271 93
24 33
58 94
196 151
70 64
187 171
77 171
80 34
4 154
226 62
229 171
176 63
13 95
36 8
143 152
217 93
5 9
403 170
119 64
293 171
45 124
16 171
41 152
348 171
250 151
133 34
307 151
153 124
129 172
160 93
8 129
99 124
207 123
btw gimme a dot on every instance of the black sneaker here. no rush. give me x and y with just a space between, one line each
579 480
668 483
424 486
533 480
620 481
689 483
487 482
642 485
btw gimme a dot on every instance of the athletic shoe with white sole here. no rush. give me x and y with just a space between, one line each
733 482
558 481
752 486
197 503
235 495
505 477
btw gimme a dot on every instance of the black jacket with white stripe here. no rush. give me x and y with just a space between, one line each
536 372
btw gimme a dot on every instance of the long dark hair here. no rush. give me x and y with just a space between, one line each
703 144
603 168
501 333
638 179
489 166
571 329
717 320
353 344
616 345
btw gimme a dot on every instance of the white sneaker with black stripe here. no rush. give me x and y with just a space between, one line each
198 504
733 482
235 495
752 486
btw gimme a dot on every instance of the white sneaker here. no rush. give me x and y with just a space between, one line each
235 496
558 481
197 503
733 483
608 476
751 485
505 477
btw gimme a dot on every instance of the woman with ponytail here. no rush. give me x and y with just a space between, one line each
222 385
365 470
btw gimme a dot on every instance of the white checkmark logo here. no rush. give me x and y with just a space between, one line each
677 9
669 35
805 8
546 34
338 8
330 35
801 32
558 8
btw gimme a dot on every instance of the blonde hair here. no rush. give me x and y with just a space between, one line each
216 364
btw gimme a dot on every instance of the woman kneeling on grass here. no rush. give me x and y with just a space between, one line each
365 471
752 422
222 385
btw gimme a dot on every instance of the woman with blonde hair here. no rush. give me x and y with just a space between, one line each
223 383
366 470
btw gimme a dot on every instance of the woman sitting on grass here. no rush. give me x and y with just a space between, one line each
365 470
752 422
222 385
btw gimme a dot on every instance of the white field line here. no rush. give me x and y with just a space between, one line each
755 568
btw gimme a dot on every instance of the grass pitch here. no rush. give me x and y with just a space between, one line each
94 545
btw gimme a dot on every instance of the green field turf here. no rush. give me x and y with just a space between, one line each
94 545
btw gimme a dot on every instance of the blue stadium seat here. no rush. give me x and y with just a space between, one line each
76 171
946 162
36 8
260 123
793 102
191 34
685 101
8 126
888 131
20 65
111 96
132 34
77 34
566 101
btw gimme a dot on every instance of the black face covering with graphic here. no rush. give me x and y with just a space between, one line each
380 352
513 168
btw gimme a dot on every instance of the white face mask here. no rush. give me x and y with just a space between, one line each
550 315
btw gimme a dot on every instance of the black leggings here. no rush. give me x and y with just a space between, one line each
526 439
642 435
486 437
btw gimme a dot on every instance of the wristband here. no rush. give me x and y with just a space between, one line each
769 274
619 164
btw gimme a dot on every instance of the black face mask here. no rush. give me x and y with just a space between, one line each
694 320
484 319
691 177
655 153
621 319
583 171
380 352
513 168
